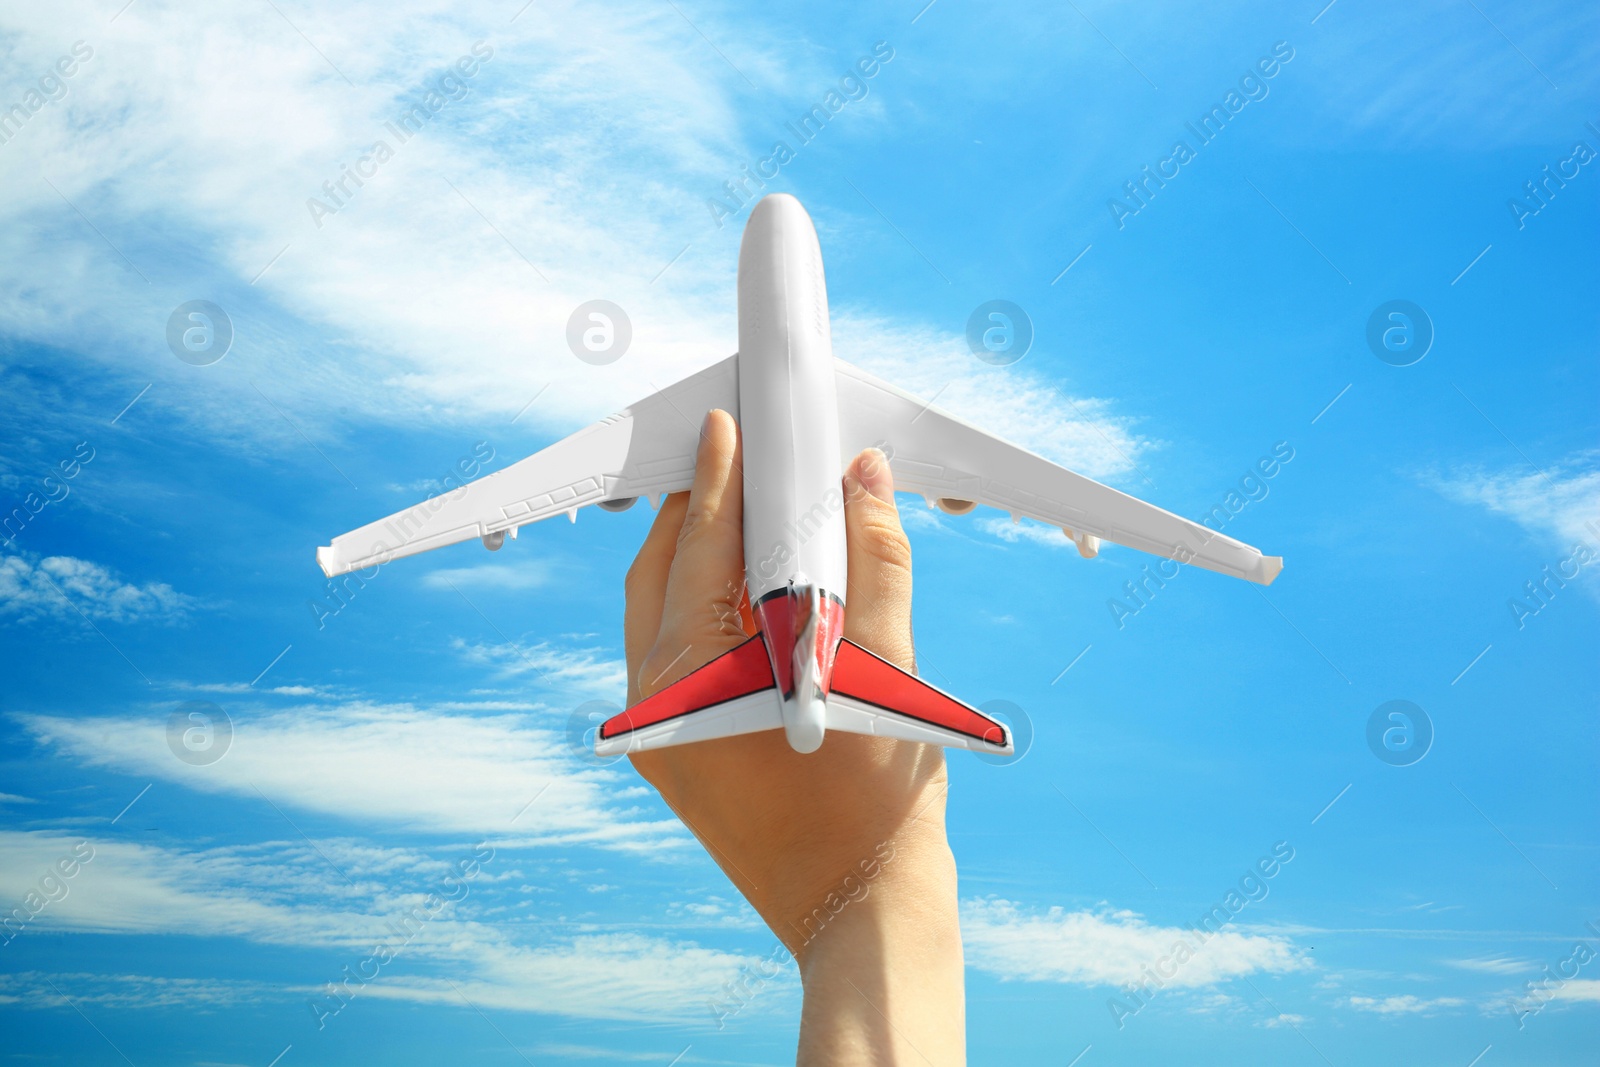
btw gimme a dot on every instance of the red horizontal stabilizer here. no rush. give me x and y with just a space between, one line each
860 675
736 673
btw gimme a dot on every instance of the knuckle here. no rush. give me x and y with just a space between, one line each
879 533
696 518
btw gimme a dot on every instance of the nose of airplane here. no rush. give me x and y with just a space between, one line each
776 210
778 224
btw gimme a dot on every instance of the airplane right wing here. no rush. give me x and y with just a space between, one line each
645 450
943 458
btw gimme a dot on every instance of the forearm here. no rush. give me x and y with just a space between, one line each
883 980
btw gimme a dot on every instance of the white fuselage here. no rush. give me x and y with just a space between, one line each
794 532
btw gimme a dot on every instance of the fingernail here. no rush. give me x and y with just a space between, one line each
876 475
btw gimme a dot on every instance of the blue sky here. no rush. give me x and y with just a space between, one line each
376 749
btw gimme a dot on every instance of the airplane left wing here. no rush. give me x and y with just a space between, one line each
943 458
646 450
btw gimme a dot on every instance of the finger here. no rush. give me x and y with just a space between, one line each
706 582
877 612
646 587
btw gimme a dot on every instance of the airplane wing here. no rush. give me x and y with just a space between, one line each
645 450
944 458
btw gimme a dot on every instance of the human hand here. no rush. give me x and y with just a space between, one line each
797 834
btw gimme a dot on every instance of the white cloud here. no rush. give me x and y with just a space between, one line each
589 150
1025 530
1560 505
617 976
1579 990
389 766
38 989
1110 948
1493 965
524 574
594 1052
586 669
1015 402
247 688
1405 1004
57 585
285 895
1419 97
916 517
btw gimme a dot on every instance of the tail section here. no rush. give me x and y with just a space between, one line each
736 694
733 694
869 695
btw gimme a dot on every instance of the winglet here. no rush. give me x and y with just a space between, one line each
325 560
1268 569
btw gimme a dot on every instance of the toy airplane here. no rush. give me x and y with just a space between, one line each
802 416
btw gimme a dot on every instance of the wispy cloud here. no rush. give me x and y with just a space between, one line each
38 990
1579 990
1405 1004
386 765
1025 530
589 670
241 688
525 574
1493 965
1017 403
1561 504
63 586
508 215
1108 948
287 895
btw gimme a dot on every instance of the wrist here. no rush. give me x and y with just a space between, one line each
905 894
883 977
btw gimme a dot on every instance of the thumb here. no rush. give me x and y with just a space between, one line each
700 617
878 602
